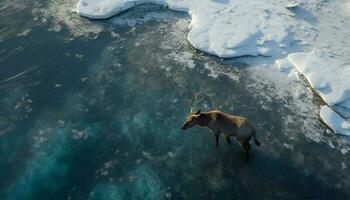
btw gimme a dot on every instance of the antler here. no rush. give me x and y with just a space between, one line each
195 101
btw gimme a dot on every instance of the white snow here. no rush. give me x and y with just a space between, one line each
317 30
283 65
319 69
331 84
226 28
334 121
292 5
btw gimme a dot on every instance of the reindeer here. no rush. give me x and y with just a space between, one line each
219 122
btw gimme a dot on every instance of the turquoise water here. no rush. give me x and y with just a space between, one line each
93 110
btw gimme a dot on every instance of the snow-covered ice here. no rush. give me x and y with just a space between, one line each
223 28
331 84
334 121
284 66
309 37
318 68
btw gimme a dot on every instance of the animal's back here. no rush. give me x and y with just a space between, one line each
225 122
227 118
233 125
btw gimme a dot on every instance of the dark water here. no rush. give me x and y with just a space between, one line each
93 110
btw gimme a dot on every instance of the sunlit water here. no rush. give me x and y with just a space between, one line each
93 110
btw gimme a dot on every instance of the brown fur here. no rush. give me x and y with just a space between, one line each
219 122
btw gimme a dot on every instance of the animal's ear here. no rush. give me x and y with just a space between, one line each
198 112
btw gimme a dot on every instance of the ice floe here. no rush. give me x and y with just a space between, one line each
331 84
328 82
335 121
226 29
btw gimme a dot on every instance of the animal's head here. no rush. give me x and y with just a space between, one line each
191 120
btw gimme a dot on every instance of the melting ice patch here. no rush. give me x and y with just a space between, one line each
230 29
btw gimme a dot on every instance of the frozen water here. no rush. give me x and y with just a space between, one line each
226 29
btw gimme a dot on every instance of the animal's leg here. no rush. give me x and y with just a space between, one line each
228 139
216 135
245 147
217 141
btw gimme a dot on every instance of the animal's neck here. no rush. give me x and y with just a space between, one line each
204 120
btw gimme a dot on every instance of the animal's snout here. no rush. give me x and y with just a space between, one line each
184 127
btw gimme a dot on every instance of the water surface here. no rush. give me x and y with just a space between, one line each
93 110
